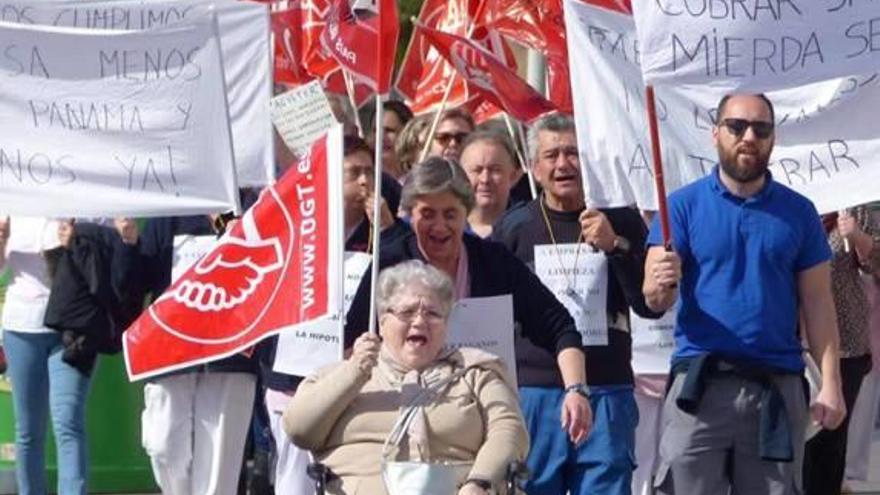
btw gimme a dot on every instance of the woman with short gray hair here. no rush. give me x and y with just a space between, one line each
463 410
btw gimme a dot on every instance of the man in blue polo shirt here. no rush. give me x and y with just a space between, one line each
746 254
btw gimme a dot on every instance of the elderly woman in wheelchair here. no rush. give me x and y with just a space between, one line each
406 415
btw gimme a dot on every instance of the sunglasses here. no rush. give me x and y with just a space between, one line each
738 127
445 138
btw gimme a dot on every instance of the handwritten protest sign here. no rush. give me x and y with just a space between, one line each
128 123
302 115
825 146
244 45
756 45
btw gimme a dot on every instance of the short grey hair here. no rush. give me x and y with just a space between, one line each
556 122
396 279
436 175
494 137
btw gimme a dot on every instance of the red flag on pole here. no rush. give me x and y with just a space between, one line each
287 29
314 18
277 267
482 109
352 40
488 75
424 74
540 26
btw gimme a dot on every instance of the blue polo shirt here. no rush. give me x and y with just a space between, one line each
740 260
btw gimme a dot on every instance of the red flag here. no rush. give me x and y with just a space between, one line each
314 16
424 74
335 83
277 267
488 75
482 109
287 28
352 40
539 25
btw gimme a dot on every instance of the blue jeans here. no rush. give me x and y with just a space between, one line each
43 383
603 464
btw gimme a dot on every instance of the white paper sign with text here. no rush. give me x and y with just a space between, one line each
756 45
301 115
579 279
485 323
826 147
308 347
244 44
128 123
652 343
187 250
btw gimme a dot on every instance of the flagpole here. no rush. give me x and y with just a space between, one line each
519 143
436 120
352 100
659 184
377 179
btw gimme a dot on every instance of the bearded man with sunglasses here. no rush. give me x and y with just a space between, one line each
746 255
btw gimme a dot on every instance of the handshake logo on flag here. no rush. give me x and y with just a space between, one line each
227 276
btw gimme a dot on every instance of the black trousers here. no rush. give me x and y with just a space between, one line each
825 453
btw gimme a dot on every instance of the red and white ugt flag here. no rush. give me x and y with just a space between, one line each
279 266
425 74
539 25
489 76
353 39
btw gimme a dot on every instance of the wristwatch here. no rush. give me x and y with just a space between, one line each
578 388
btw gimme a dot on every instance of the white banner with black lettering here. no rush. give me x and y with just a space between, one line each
314 345
756 45
826 147
578 277
244 45
107 123
652 343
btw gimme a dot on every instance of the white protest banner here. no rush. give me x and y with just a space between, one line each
578 277
188 249
485 323
244 45
301 115
825 145
756 45
129 123
652 343
308 347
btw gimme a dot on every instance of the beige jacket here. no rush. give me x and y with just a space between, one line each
344 417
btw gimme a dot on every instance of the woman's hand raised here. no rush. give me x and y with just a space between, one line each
365 352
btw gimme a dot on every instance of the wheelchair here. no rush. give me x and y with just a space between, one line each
517 474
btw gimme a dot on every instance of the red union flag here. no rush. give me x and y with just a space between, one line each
316 60
353 40
489 76
424 74
539 25
277 267
287 29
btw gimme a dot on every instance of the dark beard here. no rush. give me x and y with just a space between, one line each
742 175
